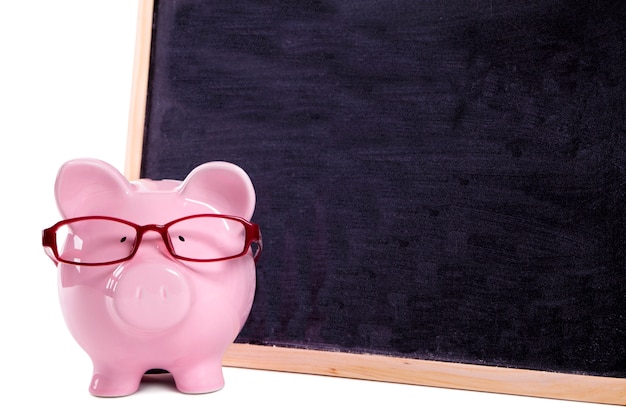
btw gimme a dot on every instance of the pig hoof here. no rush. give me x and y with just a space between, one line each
106 386
199 382
200 388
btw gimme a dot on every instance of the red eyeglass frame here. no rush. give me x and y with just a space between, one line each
252 230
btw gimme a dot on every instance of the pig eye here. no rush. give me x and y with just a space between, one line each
182 239
123 239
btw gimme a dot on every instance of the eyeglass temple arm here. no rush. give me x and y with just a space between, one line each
259 241
47 240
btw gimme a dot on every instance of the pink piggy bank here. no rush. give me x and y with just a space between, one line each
154 274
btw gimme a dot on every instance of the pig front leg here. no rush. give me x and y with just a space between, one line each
199 378
110 381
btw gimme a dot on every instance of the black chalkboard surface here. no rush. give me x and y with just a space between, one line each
439 181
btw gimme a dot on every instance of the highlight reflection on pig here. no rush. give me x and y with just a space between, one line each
154 274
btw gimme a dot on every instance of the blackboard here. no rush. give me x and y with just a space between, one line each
438 182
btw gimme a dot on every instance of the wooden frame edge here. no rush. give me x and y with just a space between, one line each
542 384
139 90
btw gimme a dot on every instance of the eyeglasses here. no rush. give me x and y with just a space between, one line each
102 240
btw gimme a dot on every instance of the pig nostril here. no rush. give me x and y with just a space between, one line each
163 293
138 293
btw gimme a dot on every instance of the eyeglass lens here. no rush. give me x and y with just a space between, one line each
205 238
95 240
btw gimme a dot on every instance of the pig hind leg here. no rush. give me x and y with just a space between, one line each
199 378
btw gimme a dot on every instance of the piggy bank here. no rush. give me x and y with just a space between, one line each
154 275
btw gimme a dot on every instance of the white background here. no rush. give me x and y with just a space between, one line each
65 82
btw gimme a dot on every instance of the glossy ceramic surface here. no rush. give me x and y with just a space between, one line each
154 311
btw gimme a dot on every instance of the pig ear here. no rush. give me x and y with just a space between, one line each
222 185
87 186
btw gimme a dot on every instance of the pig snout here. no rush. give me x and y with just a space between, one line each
150 297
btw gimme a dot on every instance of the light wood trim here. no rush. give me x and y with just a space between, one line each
430 373
139 91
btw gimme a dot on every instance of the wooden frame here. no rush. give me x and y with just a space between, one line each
370 367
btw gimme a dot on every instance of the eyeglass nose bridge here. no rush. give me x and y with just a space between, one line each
161 230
